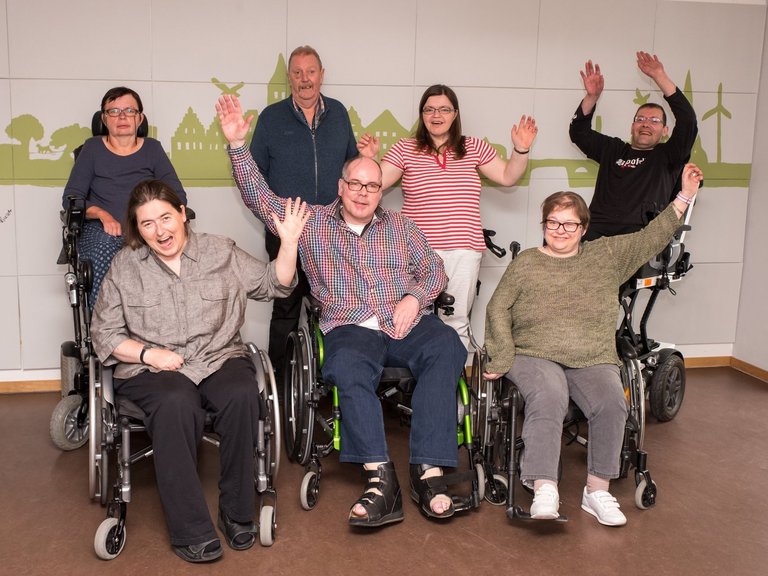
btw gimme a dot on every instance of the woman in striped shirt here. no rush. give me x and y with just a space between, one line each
441 187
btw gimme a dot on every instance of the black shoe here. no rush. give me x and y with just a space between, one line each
238 536
197 553
384 508
423 491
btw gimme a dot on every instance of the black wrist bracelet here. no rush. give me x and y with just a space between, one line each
143 350
520 151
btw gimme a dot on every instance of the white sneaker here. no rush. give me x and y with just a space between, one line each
604 507
546 502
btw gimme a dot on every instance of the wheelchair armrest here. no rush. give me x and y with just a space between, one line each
444 302
190 213
314 305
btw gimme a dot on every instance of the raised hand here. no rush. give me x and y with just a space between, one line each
593 80
692 178
652 67
368 146
649 65
233 125
524 133
296 216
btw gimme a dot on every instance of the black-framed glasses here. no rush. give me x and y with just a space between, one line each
443 110
115 112
356 186
649 119
567 226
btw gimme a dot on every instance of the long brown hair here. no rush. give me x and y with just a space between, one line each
455 139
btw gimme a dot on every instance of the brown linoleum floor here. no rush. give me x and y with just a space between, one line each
710 464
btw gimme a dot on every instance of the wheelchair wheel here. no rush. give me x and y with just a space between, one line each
67 432
298 402
496 495
667 387
309 491
272 417
645 494
108 543
267 525
70 365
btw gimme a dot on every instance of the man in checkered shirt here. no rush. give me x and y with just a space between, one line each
376 278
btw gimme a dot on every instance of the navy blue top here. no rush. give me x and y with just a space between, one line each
105 179
296 161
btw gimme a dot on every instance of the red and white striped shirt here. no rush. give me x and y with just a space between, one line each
441 193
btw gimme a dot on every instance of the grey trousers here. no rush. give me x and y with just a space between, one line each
597 391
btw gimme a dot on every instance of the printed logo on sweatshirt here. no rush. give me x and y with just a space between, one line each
634 163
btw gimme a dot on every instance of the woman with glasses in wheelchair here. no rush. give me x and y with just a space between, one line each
169 319
550 328
107 168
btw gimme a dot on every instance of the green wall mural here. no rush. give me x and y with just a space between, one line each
197 149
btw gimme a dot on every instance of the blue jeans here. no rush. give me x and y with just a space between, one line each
355 359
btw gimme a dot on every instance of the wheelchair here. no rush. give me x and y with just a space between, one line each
310 435
650 371
68 427
69 422
115 419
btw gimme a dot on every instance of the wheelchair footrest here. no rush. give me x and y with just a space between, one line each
517 513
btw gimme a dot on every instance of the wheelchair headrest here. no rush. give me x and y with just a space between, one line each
98 128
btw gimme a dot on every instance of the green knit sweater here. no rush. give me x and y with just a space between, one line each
565 309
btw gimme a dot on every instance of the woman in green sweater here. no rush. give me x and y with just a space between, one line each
550 327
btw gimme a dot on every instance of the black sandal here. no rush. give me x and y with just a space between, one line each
233 532
205 552
384 508
423 491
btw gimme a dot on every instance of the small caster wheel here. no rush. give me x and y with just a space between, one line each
310 488
498 496
645 494
267 526
108 543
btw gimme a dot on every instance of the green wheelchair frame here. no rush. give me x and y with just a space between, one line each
304 390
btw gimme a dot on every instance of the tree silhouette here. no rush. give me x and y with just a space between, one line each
720 111
25 128
69 138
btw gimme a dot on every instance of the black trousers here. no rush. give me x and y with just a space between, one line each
175 416
285 311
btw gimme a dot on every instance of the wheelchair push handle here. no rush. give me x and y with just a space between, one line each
496 250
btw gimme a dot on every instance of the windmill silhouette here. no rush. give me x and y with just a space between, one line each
233 90
721 111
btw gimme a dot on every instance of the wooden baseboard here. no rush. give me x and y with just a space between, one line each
708 362
749 369
30 386
703 362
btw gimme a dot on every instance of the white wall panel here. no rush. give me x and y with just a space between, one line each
10 340
231 40
8 219
362 43
82 39
731 53
43 308
480 43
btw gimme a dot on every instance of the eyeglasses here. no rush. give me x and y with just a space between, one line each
443 110
649 119
356 186
567 226
115 112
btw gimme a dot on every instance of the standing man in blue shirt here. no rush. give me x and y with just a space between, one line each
300 145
